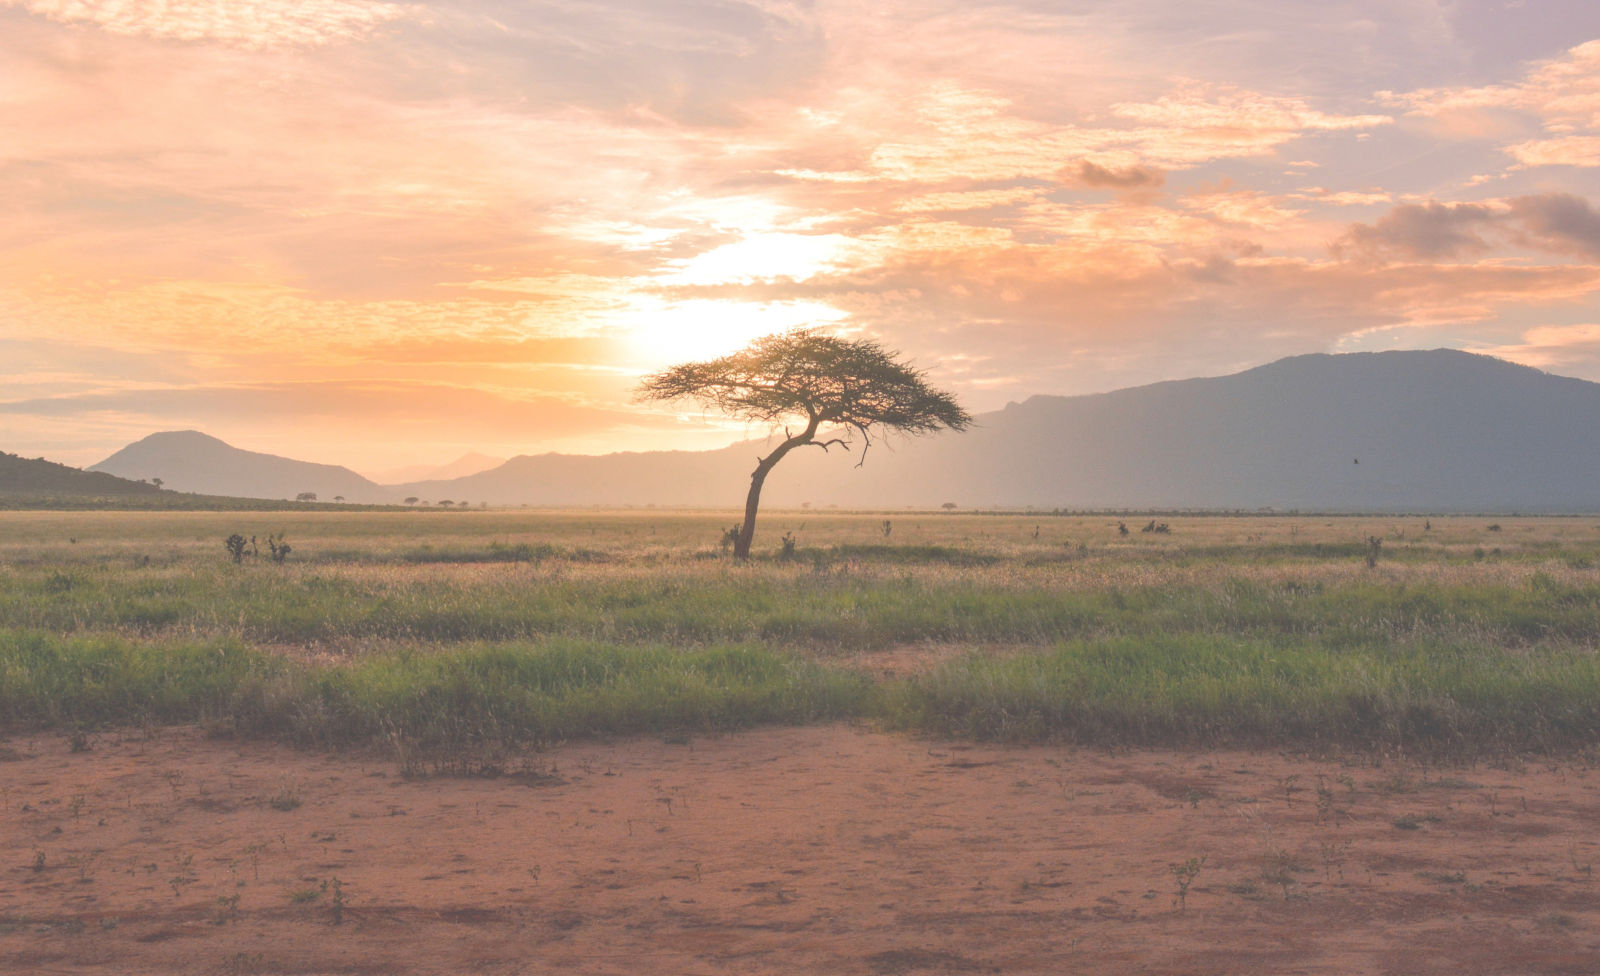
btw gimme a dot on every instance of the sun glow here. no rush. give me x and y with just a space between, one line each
675 332
762 257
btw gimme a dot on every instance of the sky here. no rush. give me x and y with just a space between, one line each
387 233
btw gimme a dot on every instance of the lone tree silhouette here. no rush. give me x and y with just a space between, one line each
839 389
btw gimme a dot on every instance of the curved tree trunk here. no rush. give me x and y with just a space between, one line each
747 532
758 477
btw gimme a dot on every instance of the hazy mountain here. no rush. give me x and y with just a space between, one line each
1429 431
187 460
40 478
462 466
1421 431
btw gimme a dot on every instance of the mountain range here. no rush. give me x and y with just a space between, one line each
1433 431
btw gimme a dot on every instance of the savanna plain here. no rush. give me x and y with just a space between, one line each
907 742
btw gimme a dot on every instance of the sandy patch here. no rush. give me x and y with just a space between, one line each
828 849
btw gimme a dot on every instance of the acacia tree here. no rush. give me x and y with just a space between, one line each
839 389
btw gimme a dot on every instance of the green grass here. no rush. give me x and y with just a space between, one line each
1425 698
496 626
1422 696
788 607
471 694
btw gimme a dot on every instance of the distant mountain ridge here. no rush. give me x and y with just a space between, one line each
38 477
189 461
470 463
1434 431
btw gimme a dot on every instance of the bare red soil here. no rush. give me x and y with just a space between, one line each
827 849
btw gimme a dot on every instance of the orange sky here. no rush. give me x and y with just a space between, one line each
382 234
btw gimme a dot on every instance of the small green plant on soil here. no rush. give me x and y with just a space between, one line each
1278 867
1414 821
184 863
1183 875
287 798
244 964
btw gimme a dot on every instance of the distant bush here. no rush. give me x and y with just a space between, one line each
280 550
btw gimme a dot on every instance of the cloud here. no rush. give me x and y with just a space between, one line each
1557 223
1087 173
1420 231
948 131
1560 95
244 23
1570 349
1561 151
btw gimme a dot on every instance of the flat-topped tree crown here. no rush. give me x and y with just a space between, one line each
806 377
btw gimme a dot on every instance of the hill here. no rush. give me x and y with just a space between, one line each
37 477
190 461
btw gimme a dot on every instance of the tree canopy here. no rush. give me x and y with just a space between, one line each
837 388
853 384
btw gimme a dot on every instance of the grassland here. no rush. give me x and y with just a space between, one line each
1466 635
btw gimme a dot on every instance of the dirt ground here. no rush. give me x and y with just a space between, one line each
827 850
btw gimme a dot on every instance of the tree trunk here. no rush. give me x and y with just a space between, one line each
747 532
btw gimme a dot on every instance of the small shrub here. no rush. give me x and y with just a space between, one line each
235 544
1183 874
280 550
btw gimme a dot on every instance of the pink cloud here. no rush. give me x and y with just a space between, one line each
245 23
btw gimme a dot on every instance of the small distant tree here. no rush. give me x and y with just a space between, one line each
949 506
306 496
445 502
338 498
836 389
412 500
157 482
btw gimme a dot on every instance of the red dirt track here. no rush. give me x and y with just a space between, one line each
828 849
